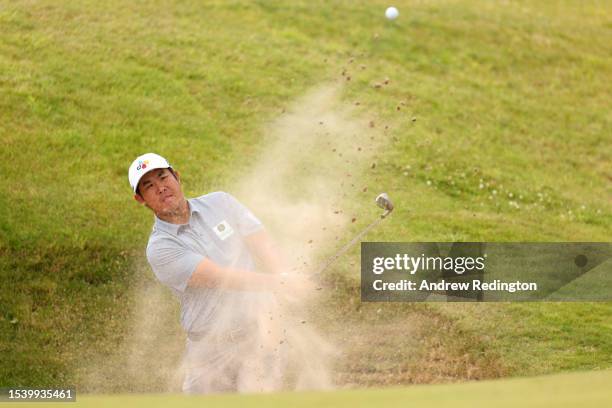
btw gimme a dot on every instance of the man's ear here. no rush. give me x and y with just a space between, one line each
178 175
139 198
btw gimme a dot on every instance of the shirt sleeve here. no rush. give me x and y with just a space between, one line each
172 263
246 222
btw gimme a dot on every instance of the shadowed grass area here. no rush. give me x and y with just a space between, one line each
496 127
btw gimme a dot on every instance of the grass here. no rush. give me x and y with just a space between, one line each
498 127
565 390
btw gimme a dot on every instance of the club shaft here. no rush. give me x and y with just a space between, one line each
345 248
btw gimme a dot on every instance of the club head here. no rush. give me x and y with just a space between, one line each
384 202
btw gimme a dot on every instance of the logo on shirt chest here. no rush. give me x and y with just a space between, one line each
223 230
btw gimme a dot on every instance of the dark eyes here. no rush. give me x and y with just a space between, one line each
162 177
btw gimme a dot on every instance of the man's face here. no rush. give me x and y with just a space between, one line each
160 191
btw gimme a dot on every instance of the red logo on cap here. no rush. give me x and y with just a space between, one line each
142 165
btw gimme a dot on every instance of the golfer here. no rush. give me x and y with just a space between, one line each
205 250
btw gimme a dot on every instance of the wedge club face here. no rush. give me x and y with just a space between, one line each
384 202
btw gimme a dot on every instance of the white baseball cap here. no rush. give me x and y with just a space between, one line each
144 164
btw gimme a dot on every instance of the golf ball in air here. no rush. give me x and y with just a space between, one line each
391 13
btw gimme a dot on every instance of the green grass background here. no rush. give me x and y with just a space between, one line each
503 133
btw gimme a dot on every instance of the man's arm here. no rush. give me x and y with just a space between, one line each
209 274
255 236
262 246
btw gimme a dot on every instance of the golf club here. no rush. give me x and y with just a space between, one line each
383 201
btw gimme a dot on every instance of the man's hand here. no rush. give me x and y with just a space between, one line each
294 287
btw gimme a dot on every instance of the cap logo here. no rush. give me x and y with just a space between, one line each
142 165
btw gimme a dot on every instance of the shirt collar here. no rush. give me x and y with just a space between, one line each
175 228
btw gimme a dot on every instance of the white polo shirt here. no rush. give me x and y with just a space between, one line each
216 229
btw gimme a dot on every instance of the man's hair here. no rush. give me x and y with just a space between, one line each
169 169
